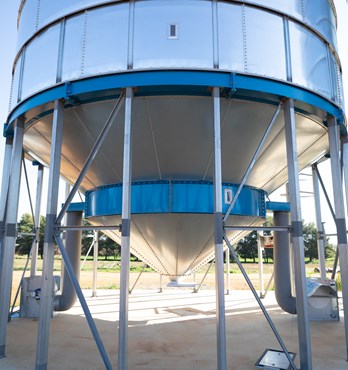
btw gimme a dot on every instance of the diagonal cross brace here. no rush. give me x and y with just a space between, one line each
83 303
91 156
263 308
253 161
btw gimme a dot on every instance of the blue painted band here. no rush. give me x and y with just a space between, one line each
173 197
76 207
155 82
278 206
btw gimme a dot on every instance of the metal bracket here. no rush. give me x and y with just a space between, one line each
70 98
233 83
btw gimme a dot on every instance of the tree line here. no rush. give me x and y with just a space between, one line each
246 248
107 247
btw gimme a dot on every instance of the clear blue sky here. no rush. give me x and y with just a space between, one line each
8 22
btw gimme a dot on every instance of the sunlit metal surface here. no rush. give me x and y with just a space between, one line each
172 132
248 37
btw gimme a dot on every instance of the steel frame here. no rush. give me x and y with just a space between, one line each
137 279
260 258
6 171
263 308
228 274
218 231
198 287
52 237
46 307
9 207
125 234
83 303
340 215
297 237
35 246
11 200
319 222
32 255
95 262
253 160
296 229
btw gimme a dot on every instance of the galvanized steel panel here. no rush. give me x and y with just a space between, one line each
264 48
249 39
193 45
40 64
310 65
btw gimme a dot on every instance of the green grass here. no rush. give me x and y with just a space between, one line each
112 265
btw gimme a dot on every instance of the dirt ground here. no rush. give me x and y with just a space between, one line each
151 280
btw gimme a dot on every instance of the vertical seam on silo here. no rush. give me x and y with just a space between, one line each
130 34
245 52
59 72
287 45
37 15
328 54
303 11
339 92
83 56
215 34
11 95
21 73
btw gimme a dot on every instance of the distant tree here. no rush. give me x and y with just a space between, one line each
108 247
24 226
330 251
267 255
87 239
247 247
310 241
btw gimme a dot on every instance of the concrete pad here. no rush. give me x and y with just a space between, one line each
175 329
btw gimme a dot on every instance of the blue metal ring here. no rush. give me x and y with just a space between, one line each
176 82
174 197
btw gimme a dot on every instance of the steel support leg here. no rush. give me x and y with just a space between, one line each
344 141
160 290
95 262
46 307
340 217
125 238
297 237
9 241
259 254
218 230
6 168
35 245
319 223
228 274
